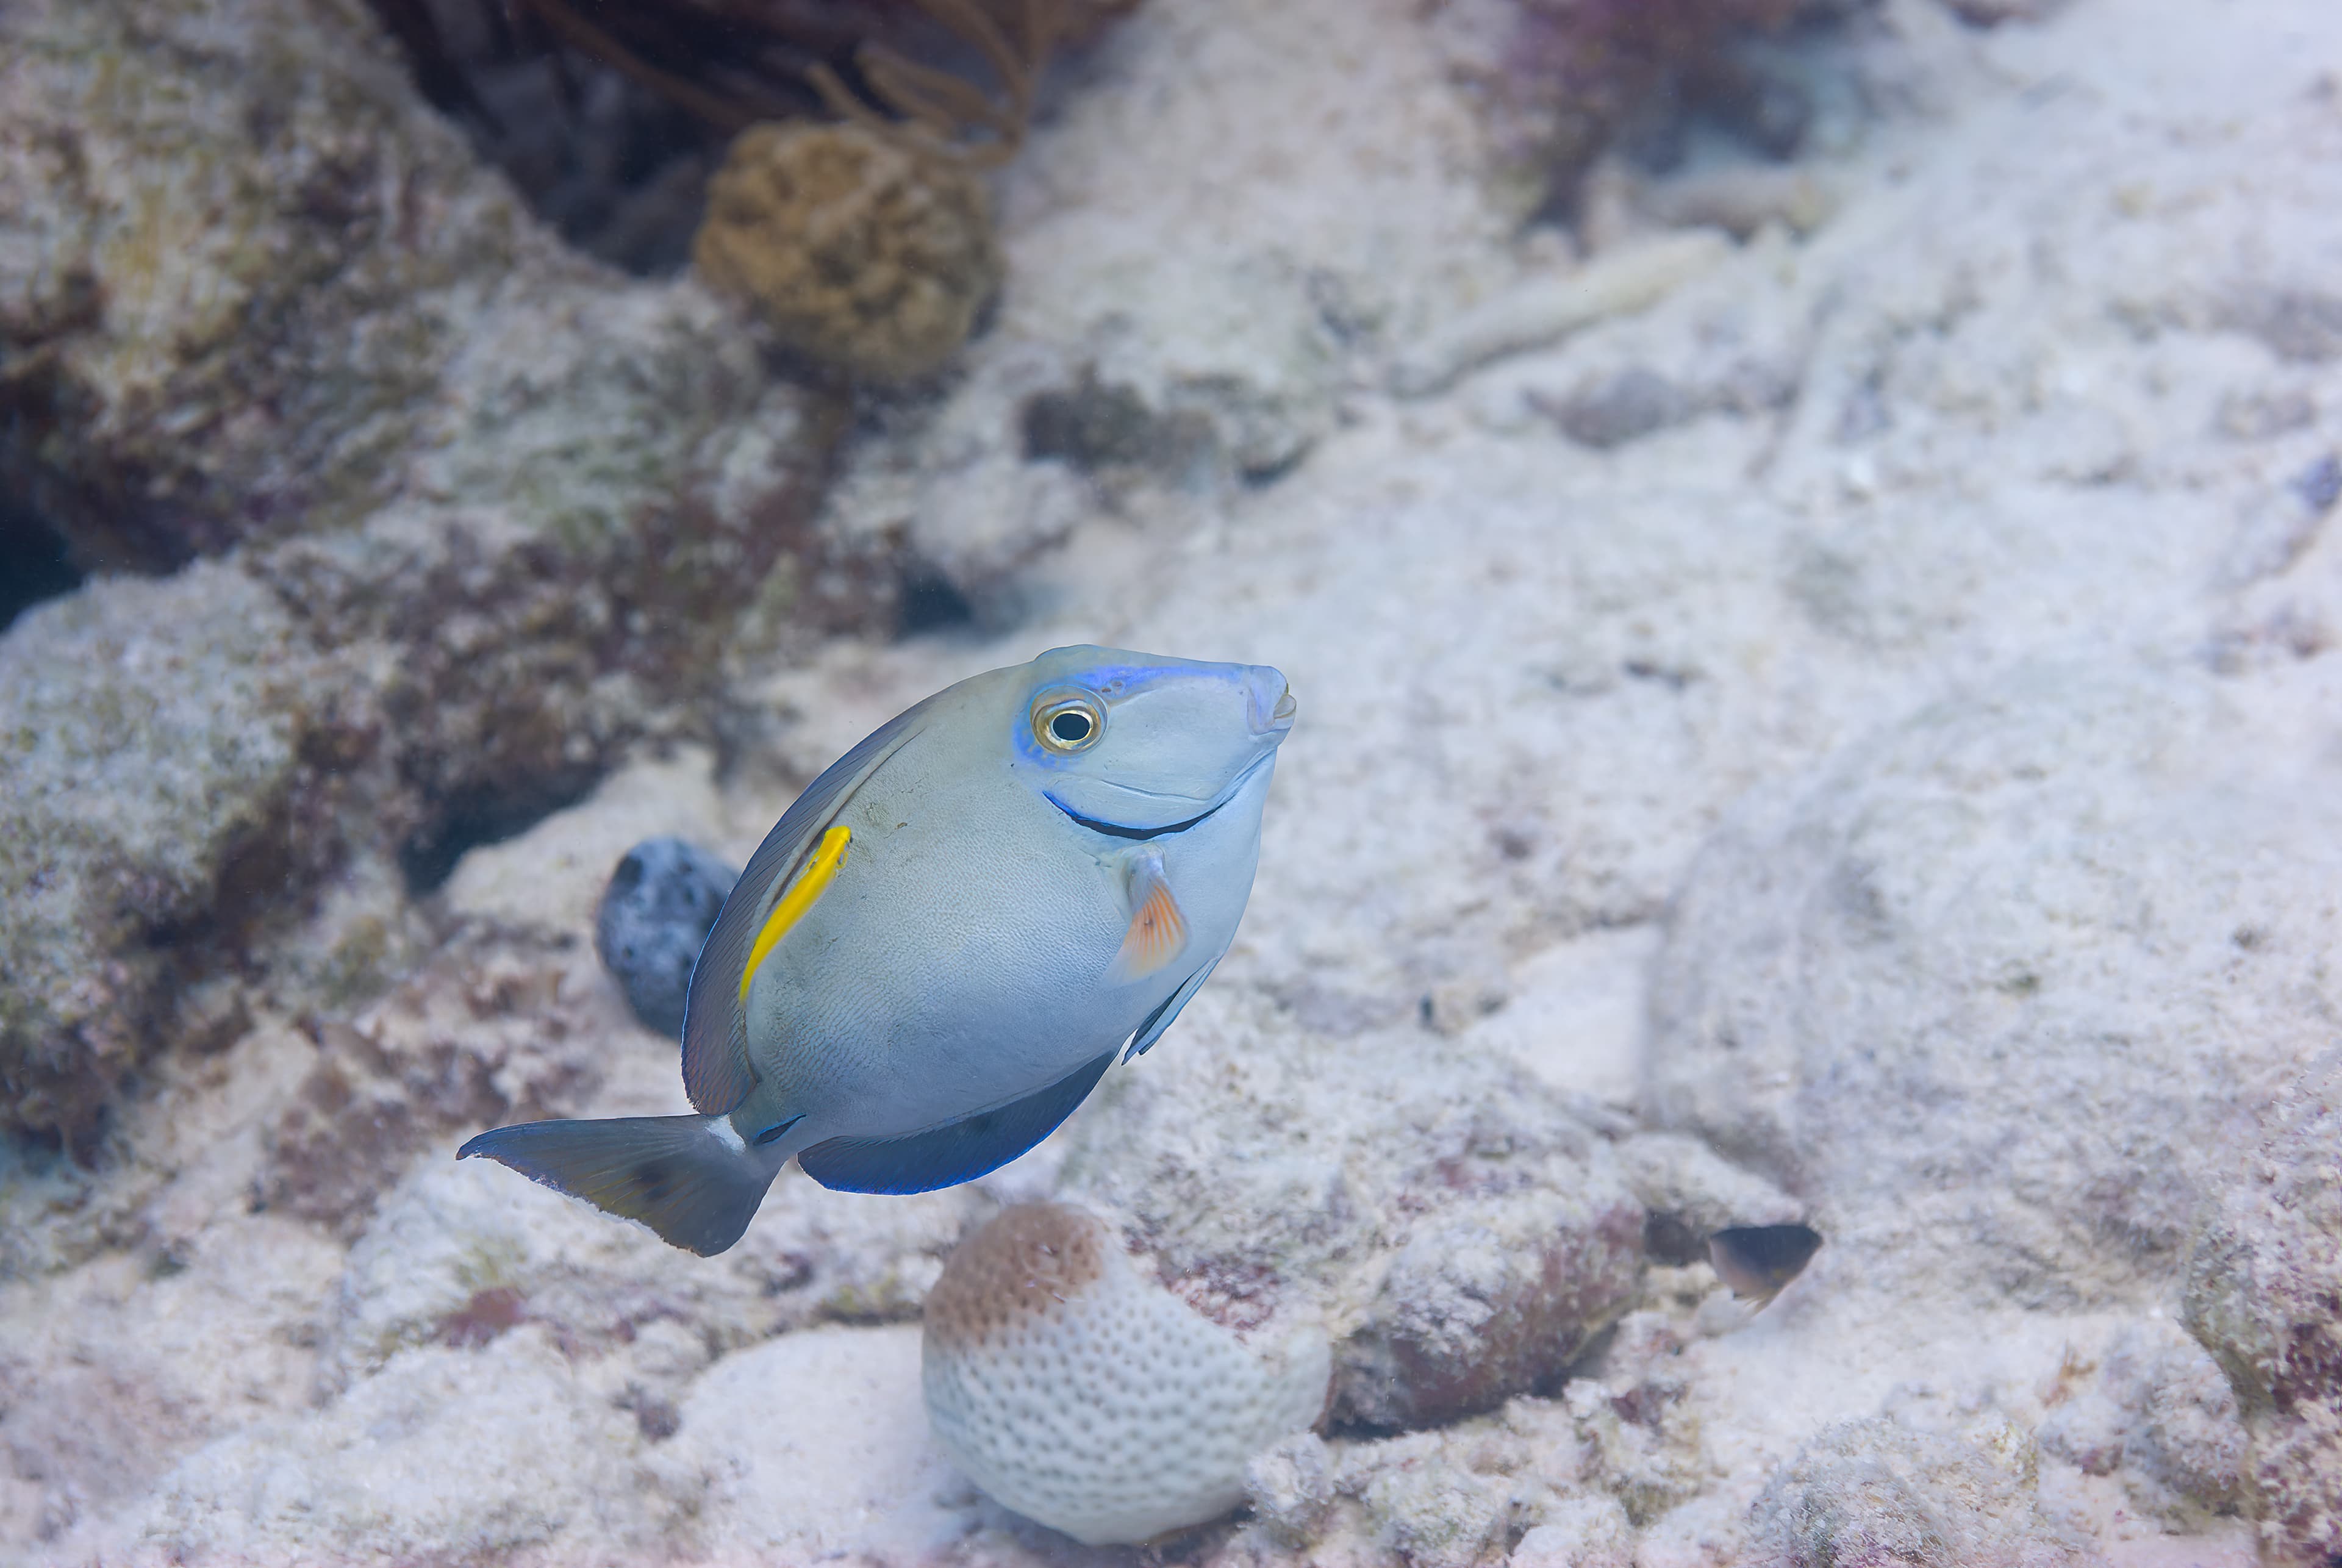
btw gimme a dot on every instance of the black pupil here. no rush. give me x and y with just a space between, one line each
1071 728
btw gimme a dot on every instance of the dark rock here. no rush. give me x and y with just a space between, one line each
1094 425
1763 108
1621 408
663 898
2319 485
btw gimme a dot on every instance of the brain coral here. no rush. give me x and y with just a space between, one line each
1084 1395
858 253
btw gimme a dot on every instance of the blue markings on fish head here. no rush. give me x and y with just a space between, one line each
1142 742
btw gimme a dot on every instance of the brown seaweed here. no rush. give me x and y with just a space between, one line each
895 67
939 111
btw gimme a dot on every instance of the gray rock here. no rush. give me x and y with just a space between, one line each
1585 1532
1290 1485
1877 1491
156 775
662 900
1462 1235
2264 1280
1993 990
2161 1416
1615 409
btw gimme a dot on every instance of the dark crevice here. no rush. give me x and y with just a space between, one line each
620 172
34 562
483 816
930 603
1667 1239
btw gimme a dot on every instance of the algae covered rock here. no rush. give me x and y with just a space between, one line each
859 253
157 743
2162 1417
484 1032
483 511
234 246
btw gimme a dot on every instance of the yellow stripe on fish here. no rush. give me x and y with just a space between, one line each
827 860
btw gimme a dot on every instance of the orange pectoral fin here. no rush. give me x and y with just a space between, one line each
1158 932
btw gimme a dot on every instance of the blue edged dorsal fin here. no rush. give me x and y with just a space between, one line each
1160 1019
717 1073
957 1151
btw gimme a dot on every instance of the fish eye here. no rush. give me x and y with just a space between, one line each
1067 721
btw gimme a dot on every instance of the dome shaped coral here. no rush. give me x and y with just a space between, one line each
1085 1396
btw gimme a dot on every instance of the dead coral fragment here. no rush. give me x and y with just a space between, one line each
858 253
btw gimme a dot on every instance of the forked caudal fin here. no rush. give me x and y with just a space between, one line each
686 1177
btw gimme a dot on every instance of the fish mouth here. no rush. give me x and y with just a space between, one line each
1279 718
1116 830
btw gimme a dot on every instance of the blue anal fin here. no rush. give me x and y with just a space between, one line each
1160 1019
956 1151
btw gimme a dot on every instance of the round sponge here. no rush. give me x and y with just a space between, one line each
1085 1396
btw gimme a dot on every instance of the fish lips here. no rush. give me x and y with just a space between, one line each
1156 815
1271 715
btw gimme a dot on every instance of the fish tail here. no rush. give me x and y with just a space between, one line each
690 1178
